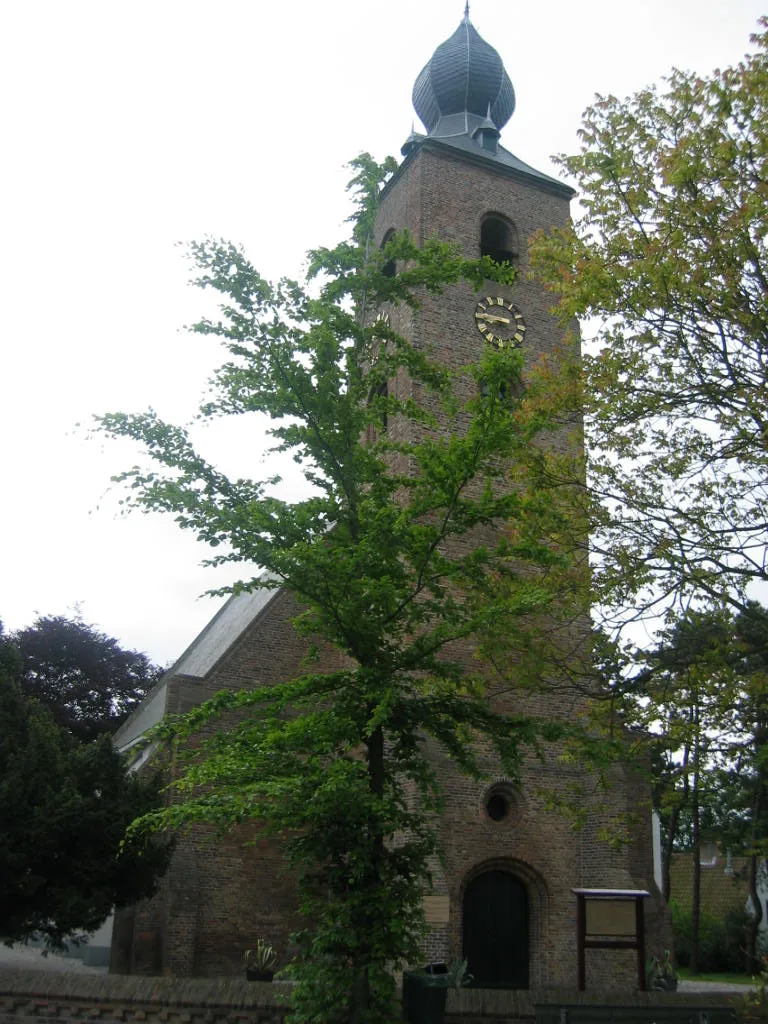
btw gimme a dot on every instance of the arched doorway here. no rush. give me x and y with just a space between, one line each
496 930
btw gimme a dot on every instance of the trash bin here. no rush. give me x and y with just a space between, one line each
424 993
436 967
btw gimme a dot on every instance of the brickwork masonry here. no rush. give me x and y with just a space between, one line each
27 997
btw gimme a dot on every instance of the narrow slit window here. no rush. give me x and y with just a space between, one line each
389 268
381 391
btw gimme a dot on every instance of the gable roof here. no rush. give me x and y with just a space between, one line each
209 646
227 625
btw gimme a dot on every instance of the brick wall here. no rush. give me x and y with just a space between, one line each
29 997
222 893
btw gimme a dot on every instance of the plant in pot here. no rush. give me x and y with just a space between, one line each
458 975
660 975
260 962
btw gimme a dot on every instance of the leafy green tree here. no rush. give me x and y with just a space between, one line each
701 695
64 809
87 681
687 693
670 258
749 752
399 562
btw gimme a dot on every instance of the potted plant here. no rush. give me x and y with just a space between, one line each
458 975
661 975
260 962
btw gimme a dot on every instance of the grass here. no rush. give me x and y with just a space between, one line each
731 979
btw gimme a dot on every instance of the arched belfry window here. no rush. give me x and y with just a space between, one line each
498 239
390 267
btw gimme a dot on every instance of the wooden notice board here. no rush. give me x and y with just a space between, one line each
610 919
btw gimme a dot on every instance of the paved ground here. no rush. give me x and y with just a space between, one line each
31 958
711 986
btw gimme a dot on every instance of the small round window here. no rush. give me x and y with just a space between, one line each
497 806
501 804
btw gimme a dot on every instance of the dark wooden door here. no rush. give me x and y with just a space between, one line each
496 930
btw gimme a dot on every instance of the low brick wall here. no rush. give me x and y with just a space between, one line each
29 996
568 1007
489 1006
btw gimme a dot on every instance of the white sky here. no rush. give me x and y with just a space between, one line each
126 127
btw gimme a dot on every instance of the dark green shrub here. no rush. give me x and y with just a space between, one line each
722 939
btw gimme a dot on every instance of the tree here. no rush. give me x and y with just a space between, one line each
399 563
701 695
687 693
64 808
87 681
670 258
750 749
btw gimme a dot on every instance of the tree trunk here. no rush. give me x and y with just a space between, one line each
757 843
673 823
696 891
669 845
361 990
753 964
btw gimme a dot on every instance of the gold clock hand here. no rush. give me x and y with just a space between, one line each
492 319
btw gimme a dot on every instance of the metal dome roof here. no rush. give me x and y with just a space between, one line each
464 83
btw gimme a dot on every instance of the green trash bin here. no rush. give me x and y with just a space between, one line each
424 996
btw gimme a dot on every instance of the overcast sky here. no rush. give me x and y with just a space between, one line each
127 127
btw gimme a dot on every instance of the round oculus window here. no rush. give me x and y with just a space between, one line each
497 806
501 804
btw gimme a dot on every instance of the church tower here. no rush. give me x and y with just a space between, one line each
459 184
502 894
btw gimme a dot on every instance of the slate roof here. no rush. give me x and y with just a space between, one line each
504 160
212 643
464 76
462 91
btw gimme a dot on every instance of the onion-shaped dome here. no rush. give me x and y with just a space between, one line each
463 83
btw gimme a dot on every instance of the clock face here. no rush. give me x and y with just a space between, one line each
500 322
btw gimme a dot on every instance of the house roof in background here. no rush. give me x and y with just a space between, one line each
721 890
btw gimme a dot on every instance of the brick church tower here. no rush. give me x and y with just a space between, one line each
502 893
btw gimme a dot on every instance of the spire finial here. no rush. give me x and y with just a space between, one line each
466 11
